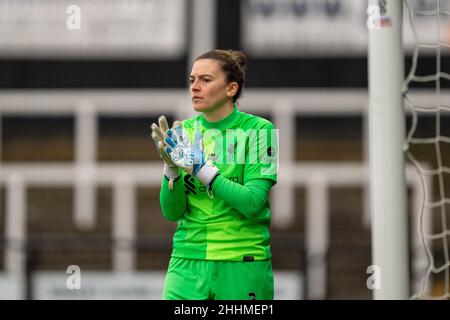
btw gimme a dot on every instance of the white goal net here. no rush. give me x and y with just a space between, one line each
426 94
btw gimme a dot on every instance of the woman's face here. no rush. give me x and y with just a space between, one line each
208 86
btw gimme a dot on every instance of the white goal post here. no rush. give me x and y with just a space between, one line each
386 138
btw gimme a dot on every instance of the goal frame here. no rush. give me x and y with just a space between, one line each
389 221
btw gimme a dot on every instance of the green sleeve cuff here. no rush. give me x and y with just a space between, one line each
250 199
173 202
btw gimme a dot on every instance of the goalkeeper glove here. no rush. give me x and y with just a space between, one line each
189 157
159 133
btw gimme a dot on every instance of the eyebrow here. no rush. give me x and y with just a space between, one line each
202 76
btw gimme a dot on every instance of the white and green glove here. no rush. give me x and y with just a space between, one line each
159 133
187 156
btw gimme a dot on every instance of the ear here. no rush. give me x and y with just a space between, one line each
232 89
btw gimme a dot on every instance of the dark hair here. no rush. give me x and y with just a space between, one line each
232 63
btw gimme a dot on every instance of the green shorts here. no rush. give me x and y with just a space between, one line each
189 279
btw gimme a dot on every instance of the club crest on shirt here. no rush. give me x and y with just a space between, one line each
270 156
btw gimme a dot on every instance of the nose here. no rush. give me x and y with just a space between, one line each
195 86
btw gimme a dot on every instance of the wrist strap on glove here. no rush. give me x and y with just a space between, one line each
171 173
207 173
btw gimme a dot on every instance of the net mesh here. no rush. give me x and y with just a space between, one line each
427 143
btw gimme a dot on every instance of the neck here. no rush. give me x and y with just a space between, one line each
219 113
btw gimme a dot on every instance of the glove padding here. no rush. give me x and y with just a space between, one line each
171 170
189 157
159 133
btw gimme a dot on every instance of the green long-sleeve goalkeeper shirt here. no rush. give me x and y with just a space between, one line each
231 221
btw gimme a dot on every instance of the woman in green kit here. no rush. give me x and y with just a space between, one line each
219 167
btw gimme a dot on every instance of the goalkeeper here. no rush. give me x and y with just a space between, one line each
219 167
